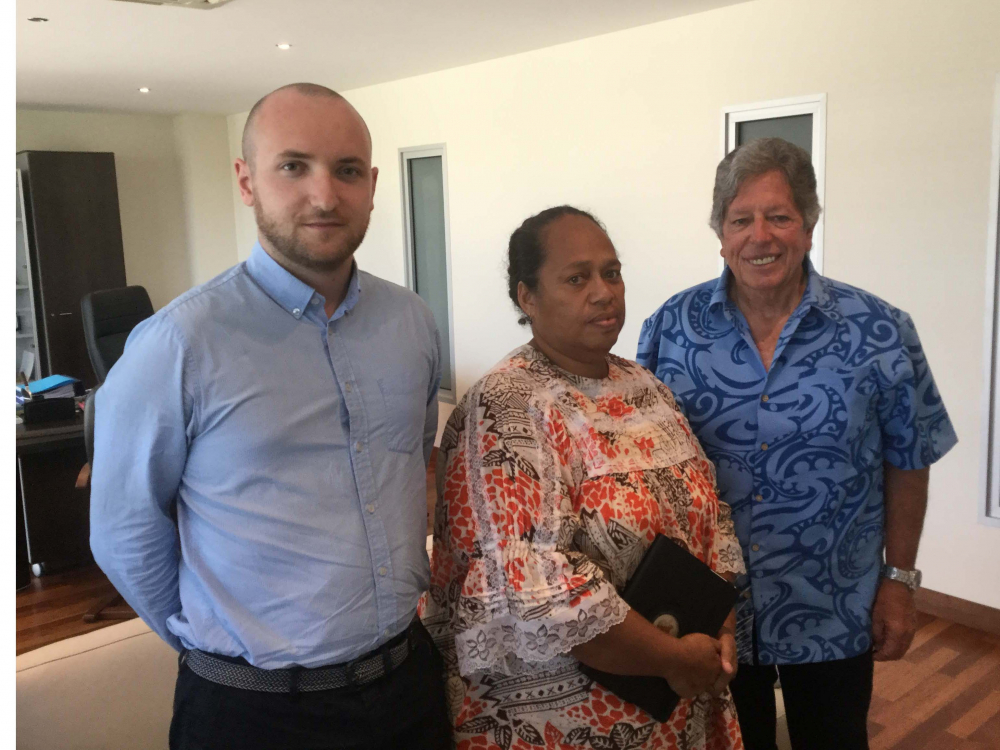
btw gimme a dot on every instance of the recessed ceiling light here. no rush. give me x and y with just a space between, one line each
283 45
144 90
38 19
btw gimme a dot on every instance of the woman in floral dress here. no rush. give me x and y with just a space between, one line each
555 473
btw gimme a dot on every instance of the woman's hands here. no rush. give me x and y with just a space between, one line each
696 665
704 664
727 641
692 665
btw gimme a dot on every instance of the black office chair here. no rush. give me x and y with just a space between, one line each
108 318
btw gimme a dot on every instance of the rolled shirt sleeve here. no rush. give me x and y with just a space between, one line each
916 430
142 426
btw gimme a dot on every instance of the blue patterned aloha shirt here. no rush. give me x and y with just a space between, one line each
799 450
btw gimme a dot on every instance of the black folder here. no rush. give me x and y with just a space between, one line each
670 582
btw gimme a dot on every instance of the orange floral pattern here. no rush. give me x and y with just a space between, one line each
550 488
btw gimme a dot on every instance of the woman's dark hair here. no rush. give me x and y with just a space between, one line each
526 254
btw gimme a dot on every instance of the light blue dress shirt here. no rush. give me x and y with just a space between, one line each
799 450
293 450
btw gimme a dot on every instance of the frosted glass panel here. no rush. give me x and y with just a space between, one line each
797 129
430 263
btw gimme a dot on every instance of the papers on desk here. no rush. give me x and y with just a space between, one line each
54 386
27 363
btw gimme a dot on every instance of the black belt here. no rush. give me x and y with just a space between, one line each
366 668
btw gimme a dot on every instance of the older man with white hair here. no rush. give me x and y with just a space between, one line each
816 404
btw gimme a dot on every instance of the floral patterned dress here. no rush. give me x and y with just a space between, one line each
550 488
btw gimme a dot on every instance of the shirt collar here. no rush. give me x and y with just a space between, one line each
817 295
294 294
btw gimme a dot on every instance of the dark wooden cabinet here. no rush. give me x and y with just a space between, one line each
53 514
74 245
22 570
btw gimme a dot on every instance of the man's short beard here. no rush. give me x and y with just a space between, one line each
288 247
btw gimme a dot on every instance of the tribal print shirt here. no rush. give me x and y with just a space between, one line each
550 488
799 450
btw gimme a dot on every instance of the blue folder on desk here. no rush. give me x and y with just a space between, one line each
54 386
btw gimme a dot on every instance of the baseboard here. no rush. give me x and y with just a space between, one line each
962 611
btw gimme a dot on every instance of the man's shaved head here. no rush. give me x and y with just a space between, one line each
306 89
308 176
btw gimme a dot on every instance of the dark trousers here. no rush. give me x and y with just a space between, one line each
405 709
826 704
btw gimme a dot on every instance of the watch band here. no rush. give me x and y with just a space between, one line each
910 578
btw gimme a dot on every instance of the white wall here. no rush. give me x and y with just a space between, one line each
202 143
173 189
628 125
246 228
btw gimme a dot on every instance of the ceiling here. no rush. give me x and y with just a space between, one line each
96 54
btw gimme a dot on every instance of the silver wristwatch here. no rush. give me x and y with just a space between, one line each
911 578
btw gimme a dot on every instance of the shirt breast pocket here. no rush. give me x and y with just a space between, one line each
404 403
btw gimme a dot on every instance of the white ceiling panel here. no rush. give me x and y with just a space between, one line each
96 54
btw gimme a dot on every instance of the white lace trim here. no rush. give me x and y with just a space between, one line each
730 554
500 644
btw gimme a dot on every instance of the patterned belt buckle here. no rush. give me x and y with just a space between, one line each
351 672
386 653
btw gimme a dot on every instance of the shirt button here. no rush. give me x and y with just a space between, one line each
756 548
347 387
296 312
763 446
357 447
314 301
382 571
758 498
386 631
764 398
370 507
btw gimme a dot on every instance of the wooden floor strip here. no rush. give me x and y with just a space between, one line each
932 732
927 632
976 716
936 692
988 733
904 675
897 712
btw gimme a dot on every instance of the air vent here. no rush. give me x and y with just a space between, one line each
199 4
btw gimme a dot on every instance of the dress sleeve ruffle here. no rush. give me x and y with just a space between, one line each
525 602
726 547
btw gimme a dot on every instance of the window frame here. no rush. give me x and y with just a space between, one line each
813 104
448 396
989 495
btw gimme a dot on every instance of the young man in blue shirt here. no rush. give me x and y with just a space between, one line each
259 472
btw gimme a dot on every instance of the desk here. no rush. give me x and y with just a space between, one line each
56 515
